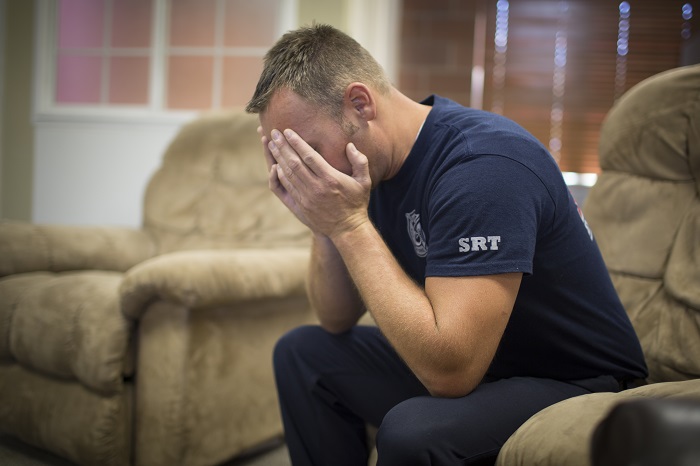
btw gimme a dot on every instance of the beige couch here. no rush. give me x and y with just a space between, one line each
153 346
645 213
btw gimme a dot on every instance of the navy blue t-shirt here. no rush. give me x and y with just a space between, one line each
479 195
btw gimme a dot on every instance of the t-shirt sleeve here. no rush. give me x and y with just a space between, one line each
485 214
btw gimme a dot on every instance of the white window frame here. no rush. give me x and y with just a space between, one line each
44 105
375 25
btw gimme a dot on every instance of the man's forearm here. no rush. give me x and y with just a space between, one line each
331 290
399 306
448 331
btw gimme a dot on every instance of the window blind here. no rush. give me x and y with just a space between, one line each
554 66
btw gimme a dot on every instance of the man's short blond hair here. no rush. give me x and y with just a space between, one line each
317 62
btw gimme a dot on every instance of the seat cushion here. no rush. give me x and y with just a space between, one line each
67 325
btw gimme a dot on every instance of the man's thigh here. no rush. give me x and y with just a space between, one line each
466 430
357 370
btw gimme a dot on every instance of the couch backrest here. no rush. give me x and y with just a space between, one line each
211 190
645 213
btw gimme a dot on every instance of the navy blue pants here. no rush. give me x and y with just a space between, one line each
330 386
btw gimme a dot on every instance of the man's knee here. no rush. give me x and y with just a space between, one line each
295 343
424 430
402 438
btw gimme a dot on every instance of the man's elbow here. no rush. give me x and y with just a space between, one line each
336 328
451 385
338 321
337 324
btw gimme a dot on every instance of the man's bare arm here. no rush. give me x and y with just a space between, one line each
331 290
448 332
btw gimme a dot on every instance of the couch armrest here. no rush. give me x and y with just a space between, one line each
211 278
26 247
562 433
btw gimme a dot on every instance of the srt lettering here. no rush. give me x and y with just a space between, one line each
479 243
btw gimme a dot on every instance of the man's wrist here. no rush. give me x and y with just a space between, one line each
320 237
353 236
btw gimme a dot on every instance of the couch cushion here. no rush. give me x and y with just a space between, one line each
636 219
561 434
68 325
65 417
212 190
668 330
683 272
11 292
645 214
647 131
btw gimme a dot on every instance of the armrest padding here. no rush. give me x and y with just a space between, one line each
206 279
26 247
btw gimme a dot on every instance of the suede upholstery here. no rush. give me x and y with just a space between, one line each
154 346
645 213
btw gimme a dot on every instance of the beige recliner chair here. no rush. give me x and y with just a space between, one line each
153 347
645 213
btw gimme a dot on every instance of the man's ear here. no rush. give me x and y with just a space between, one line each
360 101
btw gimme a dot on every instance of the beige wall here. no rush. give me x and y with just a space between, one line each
17 140
333 12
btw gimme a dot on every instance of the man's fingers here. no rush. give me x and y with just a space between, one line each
286 185
274 181
278 184
286 164
291 165
268 155
359 163
306 153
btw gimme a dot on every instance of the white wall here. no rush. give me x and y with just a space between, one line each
95 173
